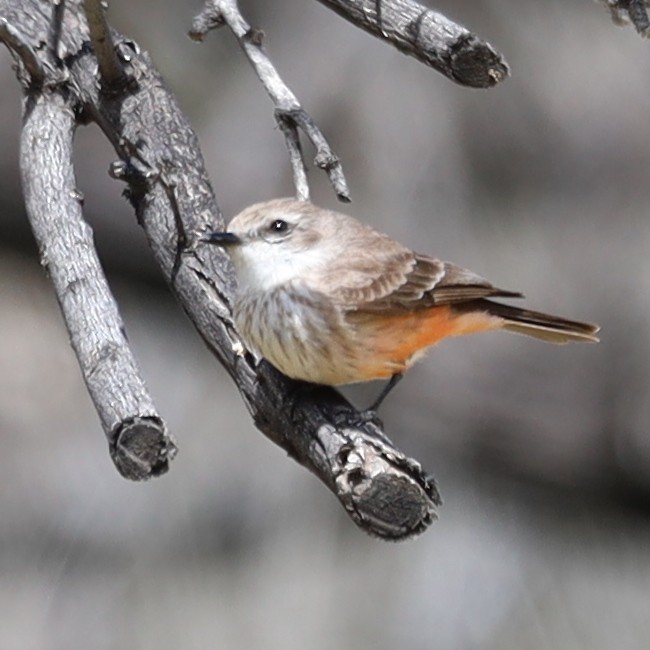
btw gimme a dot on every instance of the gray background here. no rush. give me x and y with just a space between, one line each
542 453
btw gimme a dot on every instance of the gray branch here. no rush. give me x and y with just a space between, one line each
428 36
289 113
25 54
384 491
138 442
630 12
110 68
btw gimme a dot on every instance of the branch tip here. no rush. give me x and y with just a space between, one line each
296 118
428 36
209 18
141 448
385 493
476 64
137 437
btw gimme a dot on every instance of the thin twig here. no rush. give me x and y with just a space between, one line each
12 38
296 158
289 113
428 36
110 66
54 29
325 158
137 436
208 19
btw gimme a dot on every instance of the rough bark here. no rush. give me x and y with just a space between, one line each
428 36
64 84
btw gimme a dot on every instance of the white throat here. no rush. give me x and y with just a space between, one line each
262 266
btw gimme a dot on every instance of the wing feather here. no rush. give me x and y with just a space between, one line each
410 281
373 272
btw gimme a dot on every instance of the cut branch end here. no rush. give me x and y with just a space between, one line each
141 448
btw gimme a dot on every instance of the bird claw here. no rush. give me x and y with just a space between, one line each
370 416
351 419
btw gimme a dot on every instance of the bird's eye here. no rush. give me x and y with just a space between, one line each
279 226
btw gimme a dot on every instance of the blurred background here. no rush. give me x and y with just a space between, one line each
542 453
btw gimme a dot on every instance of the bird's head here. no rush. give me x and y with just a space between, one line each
274 242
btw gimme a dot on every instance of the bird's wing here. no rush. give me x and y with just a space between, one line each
399 279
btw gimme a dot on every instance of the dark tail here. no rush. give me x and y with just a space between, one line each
546 327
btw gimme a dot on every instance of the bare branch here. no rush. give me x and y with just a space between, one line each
138 441
385 492
11 37
630 12
296 158
290 120
110 68
428 36
54 29
289 113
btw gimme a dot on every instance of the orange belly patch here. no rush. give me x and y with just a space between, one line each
393 342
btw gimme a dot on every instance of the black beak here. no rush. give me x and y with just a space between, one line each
224 239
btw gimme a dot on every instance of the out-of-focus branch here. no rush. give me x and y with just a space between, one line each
290 115
138 441
630 12
384 491
428 36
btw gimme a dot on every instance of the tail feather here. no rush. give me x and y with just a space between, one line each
546 327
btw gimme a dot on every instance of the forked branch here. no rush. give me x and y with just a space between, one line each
384 491
290 115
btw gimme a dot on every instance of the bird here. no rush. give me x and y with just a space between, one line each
327 299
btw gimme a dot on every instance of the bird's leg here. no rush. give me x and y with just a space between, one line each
370 414
392 382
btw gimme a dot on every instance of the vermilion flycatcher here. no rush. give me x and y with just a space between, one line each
329 300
